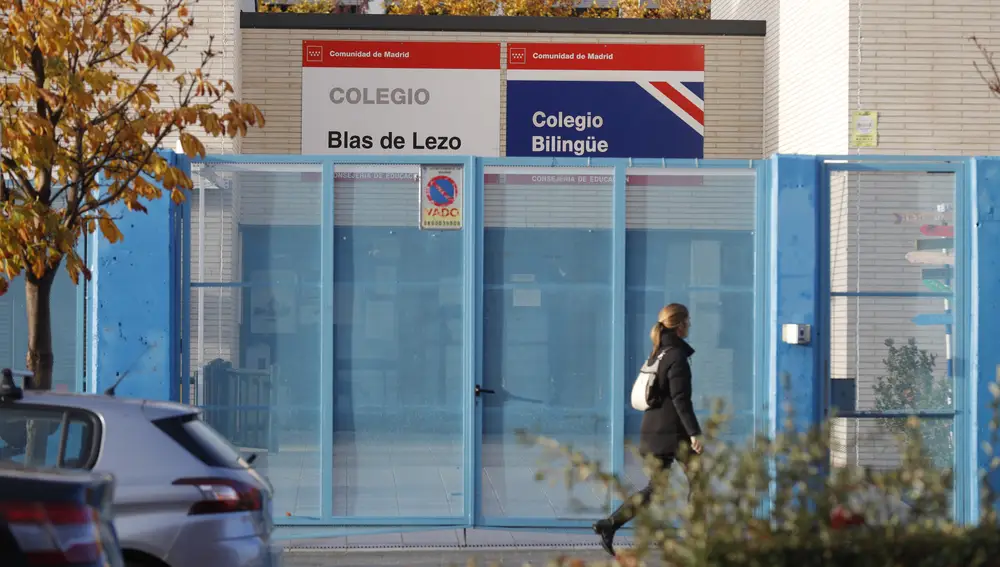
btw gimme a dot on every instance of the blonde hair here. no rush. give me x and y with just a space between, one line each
670 318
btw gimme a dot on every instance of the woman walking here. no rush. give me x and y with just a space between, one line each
667 425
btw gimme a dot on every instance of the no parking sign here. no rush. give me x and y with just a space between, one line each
441 197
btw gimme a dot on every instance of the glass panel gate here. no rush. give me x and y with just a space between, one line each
399 352
547 339
896 270
330 333
692 238
378 356
256 339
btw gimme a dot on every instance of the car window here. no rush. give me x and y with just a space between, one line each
16 423
201 440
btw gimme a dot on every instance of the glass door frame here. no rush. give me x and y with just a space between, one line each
473 234
471 332
618 373
616 398
964 493
328 165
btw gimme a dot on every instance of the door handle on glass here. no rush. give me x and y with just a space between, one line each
480 391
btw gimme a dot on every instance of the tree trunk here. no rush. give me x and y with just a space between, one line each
38 295
38 300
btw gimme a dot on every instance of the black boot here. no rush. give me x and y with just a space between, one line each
605 529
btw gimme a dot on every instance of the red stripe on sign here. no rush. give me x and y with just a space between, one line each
401 54
605 57
680 100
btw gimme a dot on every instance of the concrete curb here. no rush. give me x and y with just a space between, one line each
319 549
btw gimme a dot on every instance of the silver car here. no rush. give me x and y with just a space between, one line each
184 496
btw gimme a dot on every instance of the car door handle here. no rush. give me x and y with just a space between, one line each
480 391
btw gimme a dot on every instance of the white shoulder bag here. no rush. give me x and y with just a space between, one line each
642 388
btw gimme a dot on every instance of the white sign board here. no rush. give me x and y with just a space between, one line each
400 98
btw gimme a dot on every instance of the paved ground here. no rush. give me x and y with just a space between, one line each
311 540
449 558
443 547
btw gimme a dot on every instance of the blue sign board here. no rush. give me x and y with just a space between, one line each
578 100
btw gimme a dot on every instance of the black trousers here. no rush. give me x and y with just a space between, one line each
630 508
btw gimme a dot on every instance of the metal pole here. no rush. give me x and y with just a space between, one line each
200 187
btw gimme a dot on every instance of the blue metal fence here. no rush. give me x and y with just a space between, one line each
916 180
364 410
378 407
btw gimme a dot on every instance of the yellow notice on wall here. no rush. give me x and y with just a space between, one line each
864 129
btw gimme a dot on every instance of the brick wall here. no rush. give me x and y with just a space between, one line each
911 60
766 10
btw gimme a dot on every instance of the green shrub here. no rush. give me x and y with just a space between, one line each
728 521
909 384
869 548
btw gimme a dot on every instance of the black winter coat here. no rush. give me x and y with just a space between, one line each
667 425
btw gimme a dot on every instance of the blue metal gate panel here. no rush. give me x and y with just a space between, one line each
253 424
965 504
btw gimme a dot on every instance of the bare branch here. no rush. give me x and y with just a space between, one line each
988 71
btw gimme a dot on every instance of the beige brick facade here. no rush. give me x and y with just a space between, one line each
766 10
913 62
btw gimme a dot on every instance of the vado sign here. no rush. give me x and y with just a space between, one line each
441 197
380 97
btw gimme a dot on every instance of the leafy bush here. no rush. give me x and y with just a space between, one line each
306 7
910 384
815 516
